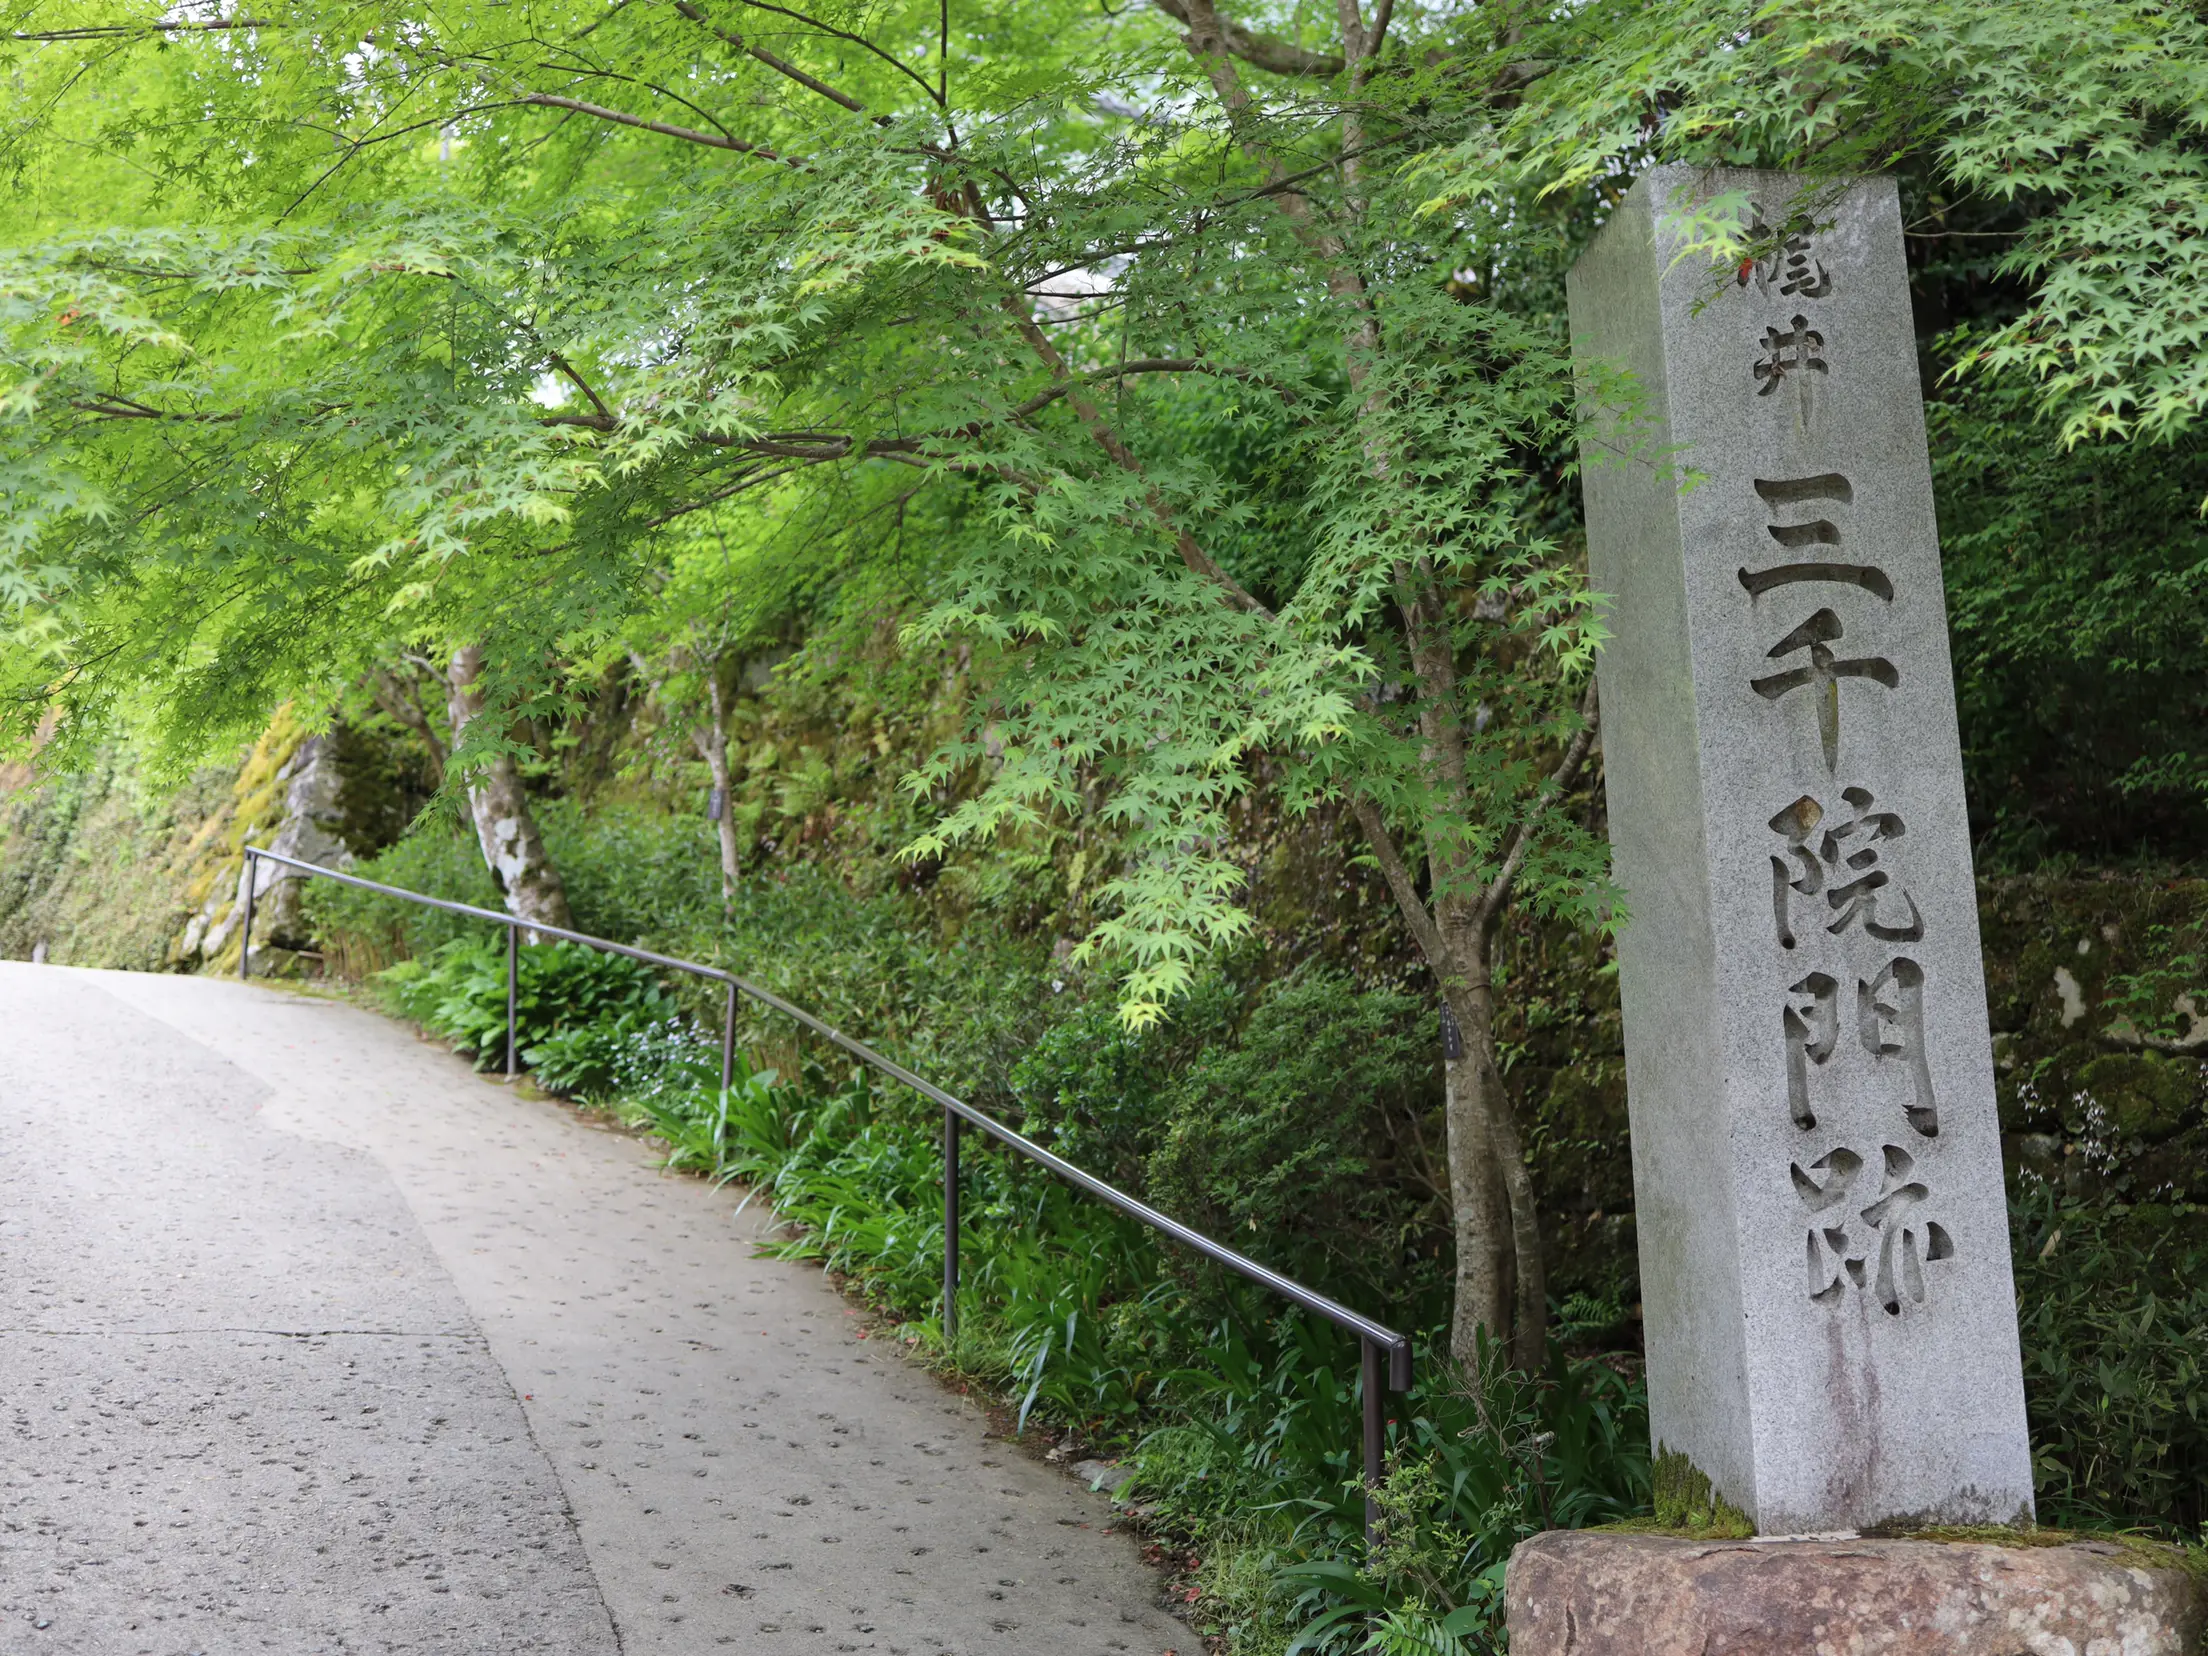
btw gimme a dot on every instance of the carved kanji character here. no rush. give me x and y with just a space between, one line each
1852 852
1798 349
1831 1251
1791 266
1811 1020
1781 495
1842 865
1822 675
1889 1013
1906 1243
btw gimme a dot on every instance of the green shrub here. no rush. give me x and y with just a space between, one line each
460 993
633 875
609 1056
629 874
1484 1457
1280 1142
1096 1091
438 860
668 1075
962 1009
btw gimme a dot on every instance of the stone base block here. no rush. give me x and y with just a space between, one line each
1598 1593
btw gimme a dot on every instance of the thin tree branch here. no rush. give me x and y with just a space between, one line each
1267 52
780 65
1416 915
352 147
118 407
745 480
405 706
1357 47
1376 34
1141 365
1206 41
689 135
113 31
149 273
587 71
748 480
836 445
611 12
1521 837
577 380
857 40
1427 633
807 446
1192 554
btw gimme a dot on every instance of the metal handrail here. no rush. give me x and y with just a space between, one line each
1373 1338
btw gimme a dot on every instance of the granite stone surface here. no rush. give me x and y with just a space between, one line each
1830 1318
1588 1593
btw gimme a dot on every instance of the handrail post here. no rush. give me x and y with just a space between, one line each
951 1125
728 1047
1376 1439
728 1073
513 987
245 937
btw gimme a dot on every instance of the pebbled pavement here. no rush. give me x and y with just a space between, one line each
311 1340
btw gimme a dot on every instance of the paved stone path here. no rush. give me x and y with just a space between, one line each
311 1340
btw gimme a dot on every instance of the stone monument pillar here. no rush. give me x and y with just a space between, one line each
1825 1279
1824 1246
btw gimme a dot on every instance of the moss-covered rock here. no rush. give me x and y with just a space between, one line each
98 870
2147 1096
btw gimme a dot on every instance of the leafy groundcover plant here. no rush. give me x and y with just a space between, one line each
572 996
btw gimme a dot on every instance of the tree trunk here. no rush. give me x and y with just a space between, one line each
1502 1284
1479 1207
513 850
1528 1302
1501 1279
713 745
